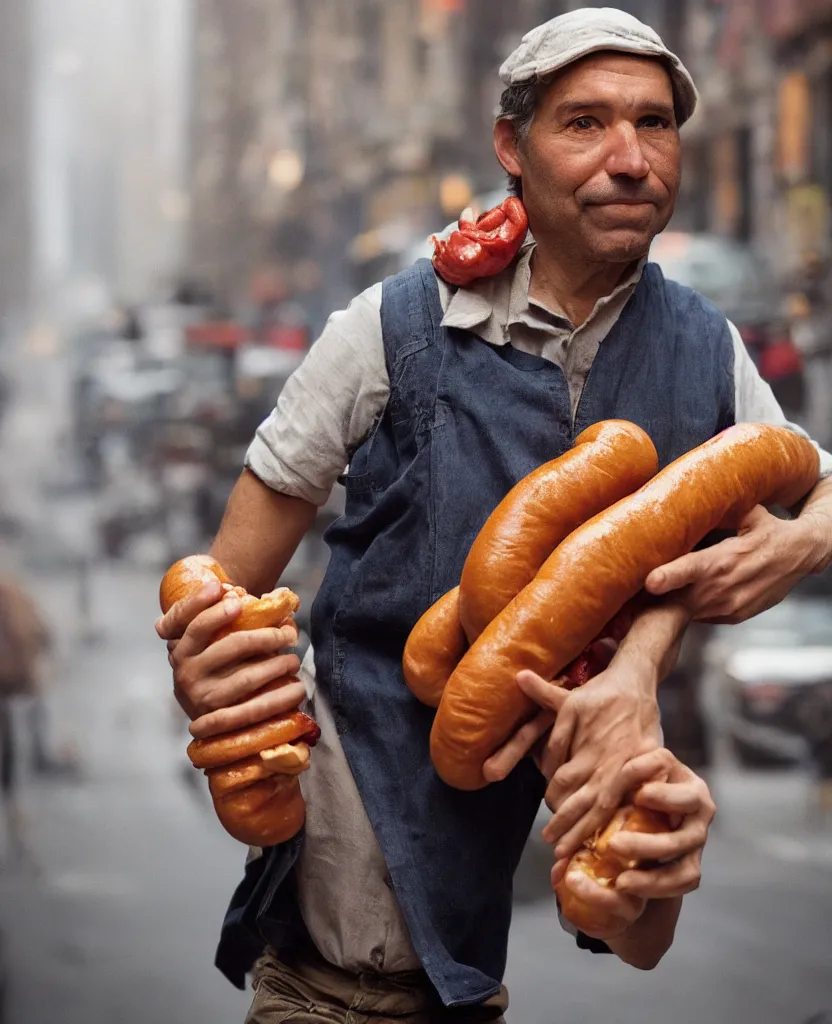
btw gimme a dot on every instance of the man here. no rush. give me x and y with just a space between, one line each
396 901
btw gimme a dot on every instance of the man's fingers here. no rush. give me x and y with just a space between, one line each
245 645
757 516
675 798
655 764
559 871
557 747
661 846
546 695
260 708
219 692
569 778
204 627
592 808
675 575
626 906
499 765
569 812
677 879
173 624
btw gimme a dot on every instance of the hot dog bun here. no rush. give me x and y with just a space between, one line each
217 751
252 772
595 571
433 649
265 813
603 866
186 577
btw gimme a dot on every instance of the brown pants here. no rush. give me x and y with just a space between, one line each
305 989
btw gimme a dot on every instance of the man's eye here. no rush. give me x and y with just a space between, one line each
583 123
654 121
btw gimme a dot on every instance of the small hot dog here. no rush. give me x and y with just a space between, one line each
603 866
252 773
595 571
217 751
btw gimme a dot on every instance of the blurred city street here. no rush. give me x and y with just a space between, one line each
188 190
113 909
115 914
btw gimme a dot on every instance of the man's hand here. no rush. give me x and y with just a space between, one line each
603 723
220 685
671 787
619 909
664 784
600 727
744 575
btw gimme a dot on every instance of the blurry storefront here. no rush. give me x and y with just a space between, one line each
758 170
802 35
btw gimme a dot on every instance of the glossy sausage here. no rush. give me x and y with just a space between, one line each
595 571
609 460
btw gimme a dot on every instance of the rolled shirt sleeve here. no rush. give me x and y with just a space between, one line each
327 406
755 402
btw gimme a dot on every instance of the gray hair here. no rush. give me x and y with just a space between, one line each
519 104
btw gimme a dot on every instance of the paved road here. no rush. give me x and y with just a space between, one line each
119 921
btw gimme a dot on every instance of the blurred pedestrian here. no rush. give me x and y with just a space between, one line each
396 899
811 305
25 643
23 638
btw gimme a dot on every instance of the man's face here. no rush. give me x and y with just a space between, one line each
601 164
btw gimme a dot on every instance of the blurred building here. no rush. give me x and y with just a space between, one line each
759 150
327 138
15 157
111 109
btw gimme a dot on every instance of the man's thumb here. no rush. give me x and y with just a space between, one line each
548 695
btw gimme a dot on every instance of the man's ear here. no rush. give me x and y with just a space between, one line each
505 146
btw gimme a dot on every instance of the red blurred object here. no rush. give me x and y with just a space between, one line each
228 335
223 334
293 339
779 359
483 247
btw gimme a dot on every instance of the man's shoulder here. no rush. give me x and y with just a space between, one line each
683 300
417 282
420 269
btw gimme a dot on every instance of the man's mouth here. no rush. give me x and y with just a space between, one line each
624 202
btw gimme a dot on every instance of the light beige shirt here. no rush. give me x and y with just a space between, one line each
326 409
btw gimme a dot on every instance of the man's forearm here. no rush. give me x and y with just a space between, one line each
259 533
651 646
816 517
646 941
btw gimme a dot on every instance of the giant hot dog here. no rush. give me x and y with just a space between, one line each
433 649
609 460
595 571
252 773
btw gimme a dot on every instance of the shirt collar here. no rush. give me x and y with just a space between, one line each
490 306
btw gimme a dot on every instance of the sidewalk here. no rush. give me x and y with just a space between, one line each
117 915
775 812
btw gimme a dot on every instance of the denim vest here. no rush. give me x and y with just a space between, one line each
464 422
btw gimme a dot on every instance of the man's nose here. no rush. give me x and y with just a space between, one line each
625 155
